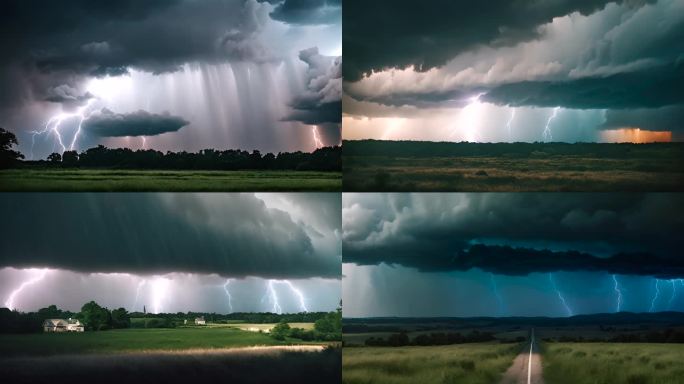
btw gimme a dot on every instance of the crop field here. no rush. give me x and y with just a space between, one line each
613 363
471 167
478 363
123 340
96 180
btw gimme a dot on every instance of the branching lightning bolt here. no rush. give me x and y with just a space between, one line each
317 139
55 122
619 294
497 294
655 298
274 298
273 295
299 294
9 303
230 297
560 295
510 122
546 135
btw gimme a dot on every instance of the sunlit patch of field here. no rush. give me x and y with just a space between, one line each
67 180
613 363
477 363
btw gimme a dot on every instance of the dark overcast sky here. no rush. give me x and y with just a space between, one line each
217 73
417 70
459 254
175 252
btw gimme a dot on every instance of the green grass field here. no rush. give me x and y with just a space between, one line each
613 363
462 363
134 340
68 180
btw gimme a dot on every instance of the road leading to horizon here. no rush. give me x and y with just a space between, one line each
527 367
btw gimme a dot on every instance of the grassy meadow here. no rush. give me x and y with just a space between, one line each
95 180
127 340
473 167
479 363
613 363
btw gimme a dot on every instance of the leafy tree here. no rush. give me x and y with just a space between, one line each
70 158
120 318
8 157
281 331
54 157
95 317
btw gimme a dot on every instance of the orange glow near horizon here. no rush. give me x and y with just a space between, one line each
635 135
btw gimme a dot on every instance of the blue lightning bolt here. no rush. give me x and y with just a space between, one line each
510 122
619 294
273 295
657 293
560 295
497 294
546 135
674 293
230 297
39 274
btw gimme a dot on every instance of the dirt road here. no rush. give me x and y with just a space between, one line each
527 367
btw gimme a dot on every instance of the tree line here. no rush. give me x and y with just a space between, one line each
326 328
93 317
402 339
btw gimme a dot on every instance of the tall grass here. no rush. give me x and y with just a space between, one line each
463 363
613 363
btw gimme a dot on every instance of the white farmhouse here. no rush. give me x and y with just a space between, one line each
200 321
61 325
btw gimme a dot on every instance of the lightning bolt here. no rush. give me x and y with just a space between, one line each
470 114
546 135
137 293
510 122
318 143
144 142
655 298
160 288
40 275
230 297
274 298
674 293
619 294
497 294
54 123
298 293
560 295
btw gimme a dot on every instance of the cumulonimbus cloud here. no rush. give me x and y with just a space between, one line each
106 123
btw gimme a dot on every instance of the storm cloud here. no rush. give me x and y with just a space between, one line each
232 235
516 234
307 11
106 123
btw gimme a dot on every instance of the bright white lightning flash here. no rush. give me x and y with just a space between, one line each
655 298
316 137
144 142
54 123
273 295
546 135
469 118
560 295
137 293
230 297
38 276
274 298
160 290
619 294
510 122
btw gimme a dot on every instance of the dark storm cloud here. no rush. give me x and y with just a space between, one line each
53 43
321 102
106 123
307 11
659 119
382 34
517 234
233 235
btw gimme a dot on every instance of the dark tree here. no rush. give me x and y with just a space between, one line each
95 317
281 330
8 157
70 158
54 157
120 318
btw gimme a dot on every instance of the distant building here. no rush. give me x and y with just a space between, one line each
200 321
61 325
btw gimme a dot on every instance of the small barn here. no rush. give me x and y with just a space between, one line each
61 325
200 321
